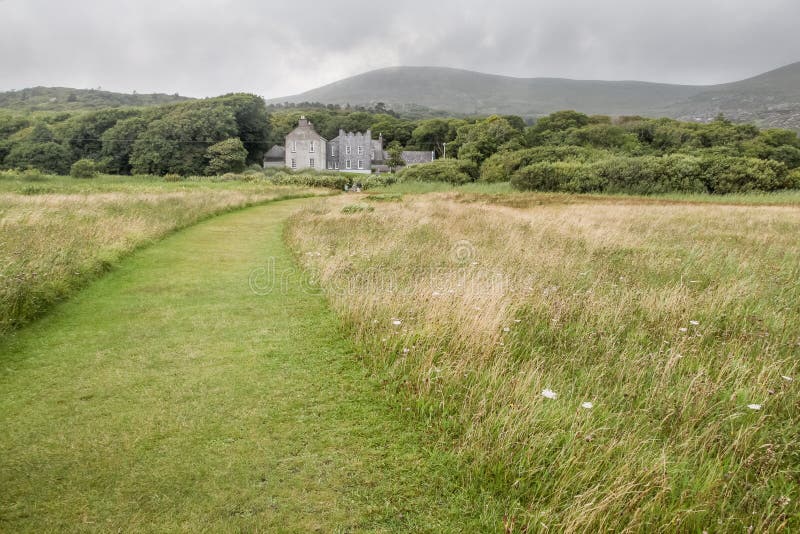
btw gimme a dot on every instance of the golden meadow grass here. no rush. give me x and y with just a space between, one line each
52 243
668 333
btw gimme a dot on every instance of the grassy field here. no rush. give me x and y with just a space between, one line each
601 363
56 233
175 395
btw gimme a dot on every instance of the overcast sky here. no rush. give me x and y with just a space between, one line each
210 47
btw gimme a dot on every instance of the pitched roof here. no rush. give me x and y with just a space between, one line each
276 152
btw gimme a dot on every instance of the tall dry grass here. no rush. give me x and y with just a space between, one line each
679 323
50 244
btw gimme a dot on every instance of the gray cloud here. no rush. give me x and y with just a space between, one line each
209 47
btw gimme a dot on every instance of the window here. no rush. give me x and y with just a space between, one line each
360 164
294 146
347 164
347 150
360 150
311 148
373 155
294 163
311 163
336 164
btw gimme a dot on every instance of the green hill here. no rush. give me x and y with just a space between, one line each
770 99
66 99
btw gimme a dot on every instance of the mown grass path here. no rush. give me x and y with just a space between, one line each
168 396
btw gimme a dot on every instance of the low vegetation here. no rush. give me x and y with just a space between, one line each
597 363
57 232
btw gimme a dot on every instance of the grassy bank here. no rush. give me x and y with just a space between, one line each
58 232
605 363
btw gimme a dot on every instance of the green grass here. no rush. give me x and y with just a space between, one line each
505 191
169 396
68 231
677 320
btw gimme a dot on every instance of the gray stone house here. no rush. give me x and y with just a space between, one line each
354 152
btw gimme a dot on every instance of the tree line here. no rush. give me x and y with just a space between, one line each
196 137
564 151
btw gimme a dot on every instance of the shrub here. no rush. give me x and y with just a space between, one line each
84 168
559 176
650 175
226 157
452 171
739 175
173 177
330 180
501 166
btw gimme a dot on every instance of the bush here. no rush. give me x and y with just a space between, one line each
84 168
173 177
501 166
312 179
571 177
651 175
740 175
657 175
451 171
228 156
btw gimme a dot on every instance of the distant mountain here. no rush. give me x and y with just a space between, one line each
66 99
770 99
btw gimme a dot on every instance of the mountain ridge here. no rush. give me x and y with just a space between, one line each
770 99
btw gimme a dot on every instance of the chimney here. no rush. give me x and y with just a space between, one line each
303 121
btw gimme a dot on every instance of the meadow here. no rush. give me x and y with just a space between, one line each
57 233
596 363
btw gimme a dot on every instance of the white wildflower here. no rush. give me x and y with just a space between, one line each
787 378
587 405
754 406
405 350
506 329
683 329
549 394
397 322
694 323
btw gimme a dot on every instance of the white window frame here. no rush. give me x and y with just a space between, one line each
311 163
361 164
294 146
360 150
347 150
347 164
311 147
294 163
336 164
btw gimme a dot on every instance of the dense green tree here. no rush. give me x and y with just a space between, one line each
177 143
252 123
82 133
36 148
479 141
395 150
602 136
229 155
117 144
